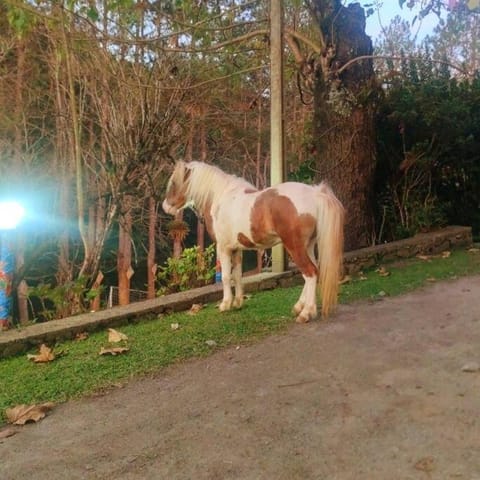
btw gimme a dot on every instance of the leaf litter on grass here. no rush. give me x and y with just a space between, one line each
114 336
45 355
113 350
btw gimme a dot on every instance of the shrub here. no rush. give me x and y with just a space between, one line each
193 269
63 300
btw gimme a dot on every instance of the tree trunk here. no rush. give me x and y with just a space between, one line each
151 265
63 167
177 241
343 120
346 161
124 255
95 304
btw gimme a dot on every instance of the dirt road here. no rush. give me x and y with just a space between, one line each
378 392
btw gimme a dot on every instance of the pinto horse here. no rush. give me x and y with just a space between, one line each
240 217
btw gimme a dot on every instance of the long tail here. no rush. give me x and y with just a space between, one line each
330 221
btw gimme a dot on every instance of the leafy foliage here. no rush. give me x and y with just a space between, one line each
304 173
428 132
62 300
193 269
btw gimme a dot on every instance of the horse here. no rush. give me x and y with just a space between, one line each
240 217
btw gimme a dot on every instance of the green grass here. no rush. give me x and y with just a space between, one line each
79 370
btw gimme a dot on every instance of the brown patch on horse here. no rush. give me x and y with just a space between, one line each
245 241
275 215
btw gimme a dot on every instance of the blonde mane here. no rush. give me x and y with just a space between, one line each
207 183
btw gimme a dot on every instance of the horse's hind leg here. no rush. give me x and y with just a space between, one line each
237 257
309 310
299 306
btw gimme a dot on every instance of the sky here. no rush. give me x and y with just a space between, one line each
387 12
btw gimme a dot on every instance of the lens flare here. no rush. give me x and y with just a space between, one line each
11 214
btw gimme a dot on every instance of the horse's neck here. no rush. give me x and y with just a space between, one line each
212 185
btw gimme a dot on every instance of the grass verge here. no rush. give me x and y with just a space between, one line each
80 370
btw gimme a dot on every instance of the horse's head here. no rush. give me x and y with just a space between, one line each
176 196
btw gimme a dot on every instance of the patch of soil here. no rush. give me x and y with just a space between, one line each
377 392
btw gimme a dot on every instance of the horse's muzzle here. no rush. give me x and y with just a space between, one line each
167 208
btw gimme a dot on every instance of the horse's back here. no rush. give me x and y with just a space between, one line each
301 195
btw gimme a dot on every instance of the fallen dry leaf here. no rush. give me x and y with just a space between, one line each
113 350
473 250
423 257
46 355
21 414
81 336
431 279
174 326
446 254
114 336
196 307
383 272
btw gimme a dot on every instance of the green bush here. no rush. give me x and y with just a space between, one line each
193 269
428 139
63 300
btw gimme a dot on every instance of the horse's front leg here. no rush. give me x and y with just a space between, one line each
225 257
237 257
306 294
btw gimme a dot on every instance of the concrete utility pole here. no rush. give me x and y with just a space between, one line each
276 113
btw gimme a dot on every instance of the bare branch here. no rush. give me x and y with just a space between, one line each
389 57
297 35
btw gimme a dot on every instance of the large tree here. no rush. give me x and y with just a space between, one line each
344 87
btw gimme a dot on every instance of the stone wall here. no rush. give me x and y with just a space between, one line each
431 243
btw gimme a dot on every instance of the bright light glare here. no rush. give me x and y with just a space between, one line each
11 213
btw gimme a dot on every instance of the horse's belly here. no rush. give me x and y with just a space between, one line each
267 241
234 228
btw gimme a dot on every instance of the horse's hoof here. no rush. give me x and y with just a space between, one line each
237 303
224 306
297 308
302 319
